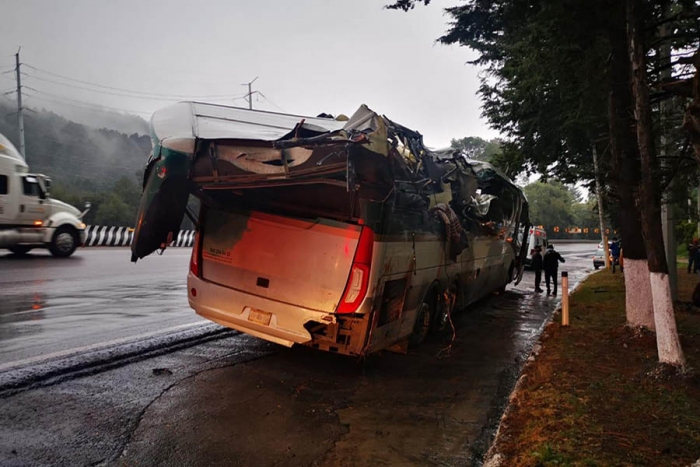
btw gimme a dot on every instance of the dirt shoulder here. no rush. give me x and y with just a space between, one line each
595 395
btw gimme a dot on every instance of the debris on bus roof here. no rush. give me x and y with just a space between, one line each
343 167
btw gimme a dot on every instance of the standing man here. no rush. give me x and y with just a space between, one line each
551 267
537 266
692 249
615 253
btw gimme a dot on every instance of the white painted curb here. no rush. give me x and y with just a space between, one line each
97 235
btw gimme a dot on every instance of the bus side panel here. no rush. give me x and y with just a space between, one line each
398 265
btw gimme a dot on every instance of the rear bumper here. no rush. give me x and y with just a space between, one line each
231 308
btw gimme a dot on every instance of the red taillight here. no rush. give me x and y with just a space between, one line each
358 281
194 259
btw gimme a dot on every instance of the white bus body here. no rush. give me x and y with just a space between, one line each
318 232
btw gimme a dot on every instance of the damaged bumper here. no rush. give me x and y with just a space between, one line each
259 316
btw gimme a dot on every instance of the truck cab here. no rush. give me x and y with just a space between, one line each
29 217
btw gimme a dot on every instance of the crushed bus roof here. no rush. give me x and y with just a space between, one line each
210 121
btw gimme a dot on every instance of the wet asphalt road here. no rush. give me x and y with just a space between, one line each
95 297
226 399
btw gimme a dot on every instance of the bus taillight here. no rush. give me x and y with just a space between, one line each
358 281
194 259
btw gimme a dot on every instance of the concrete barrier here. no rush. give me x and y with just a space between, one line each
99 235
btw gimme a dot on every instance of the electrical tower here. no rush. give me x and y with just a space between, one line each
249 96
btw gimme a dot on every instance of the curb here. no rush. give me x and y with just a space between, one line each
97 235
493 458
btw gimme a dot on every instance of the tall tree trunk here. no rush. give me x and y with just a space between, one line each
667 341
691 120
627 175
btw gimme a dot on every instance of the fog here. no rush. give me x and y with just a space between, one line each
309 57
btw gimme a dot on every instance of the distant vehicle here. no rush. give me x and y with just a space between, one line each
599 258
345 236
29 217
537 236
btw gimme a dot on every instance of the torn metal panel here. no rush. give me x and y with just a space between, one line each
213 122
377 171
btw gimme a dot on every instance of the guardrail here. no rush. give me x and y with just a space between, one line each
99 235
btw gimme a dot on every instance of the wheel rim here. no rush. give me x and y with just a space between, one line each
423 322
64 242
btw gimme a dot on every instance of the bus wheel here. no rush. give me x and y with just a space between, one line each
422 325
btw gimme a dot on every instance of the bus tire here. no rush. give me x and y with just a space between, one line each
64 242
422 325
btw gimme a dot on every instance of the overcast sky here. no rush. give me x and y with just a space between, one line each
310 56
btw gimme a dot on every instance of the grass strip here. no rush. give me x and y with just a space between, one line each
595 395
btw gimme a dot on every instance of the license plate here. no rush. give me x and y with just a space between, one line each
259 317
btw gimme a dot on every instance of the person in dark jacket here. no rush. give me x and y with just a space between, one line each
550 262
615 253
537 266
692 250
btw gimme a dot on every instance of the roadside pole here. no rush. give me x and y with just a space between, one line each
601 217
20 109
564 298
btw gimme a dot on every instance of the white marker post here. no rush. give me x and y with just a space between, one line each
564 298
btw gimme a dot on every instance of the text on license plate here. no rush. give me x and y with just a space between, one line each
259 317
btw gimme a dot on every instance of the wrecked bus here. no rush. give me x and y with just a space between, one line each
346 235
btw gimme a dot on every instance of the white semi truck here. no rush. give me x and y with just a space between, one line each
29 217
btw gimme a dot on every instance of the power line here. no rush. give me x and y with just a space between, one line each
99 91
95 106
130 91
268 100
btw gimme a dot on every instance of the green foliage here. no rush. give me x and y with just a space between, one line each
547 456
550 204
686 232
85 164
557 205
548 78
114 211
73 154
115 207
477 148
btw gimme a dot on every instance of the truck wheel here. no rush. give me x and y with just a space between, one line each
422 325
64 242
20 249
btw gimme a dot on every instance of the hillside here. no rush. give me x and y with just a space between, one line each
75 155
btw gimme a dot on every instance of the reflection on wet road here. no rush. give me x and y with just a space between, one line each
220 402
51 305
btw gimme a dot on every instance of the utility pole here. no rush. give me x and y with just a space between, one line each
667 221
601 216
20 109
249 96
